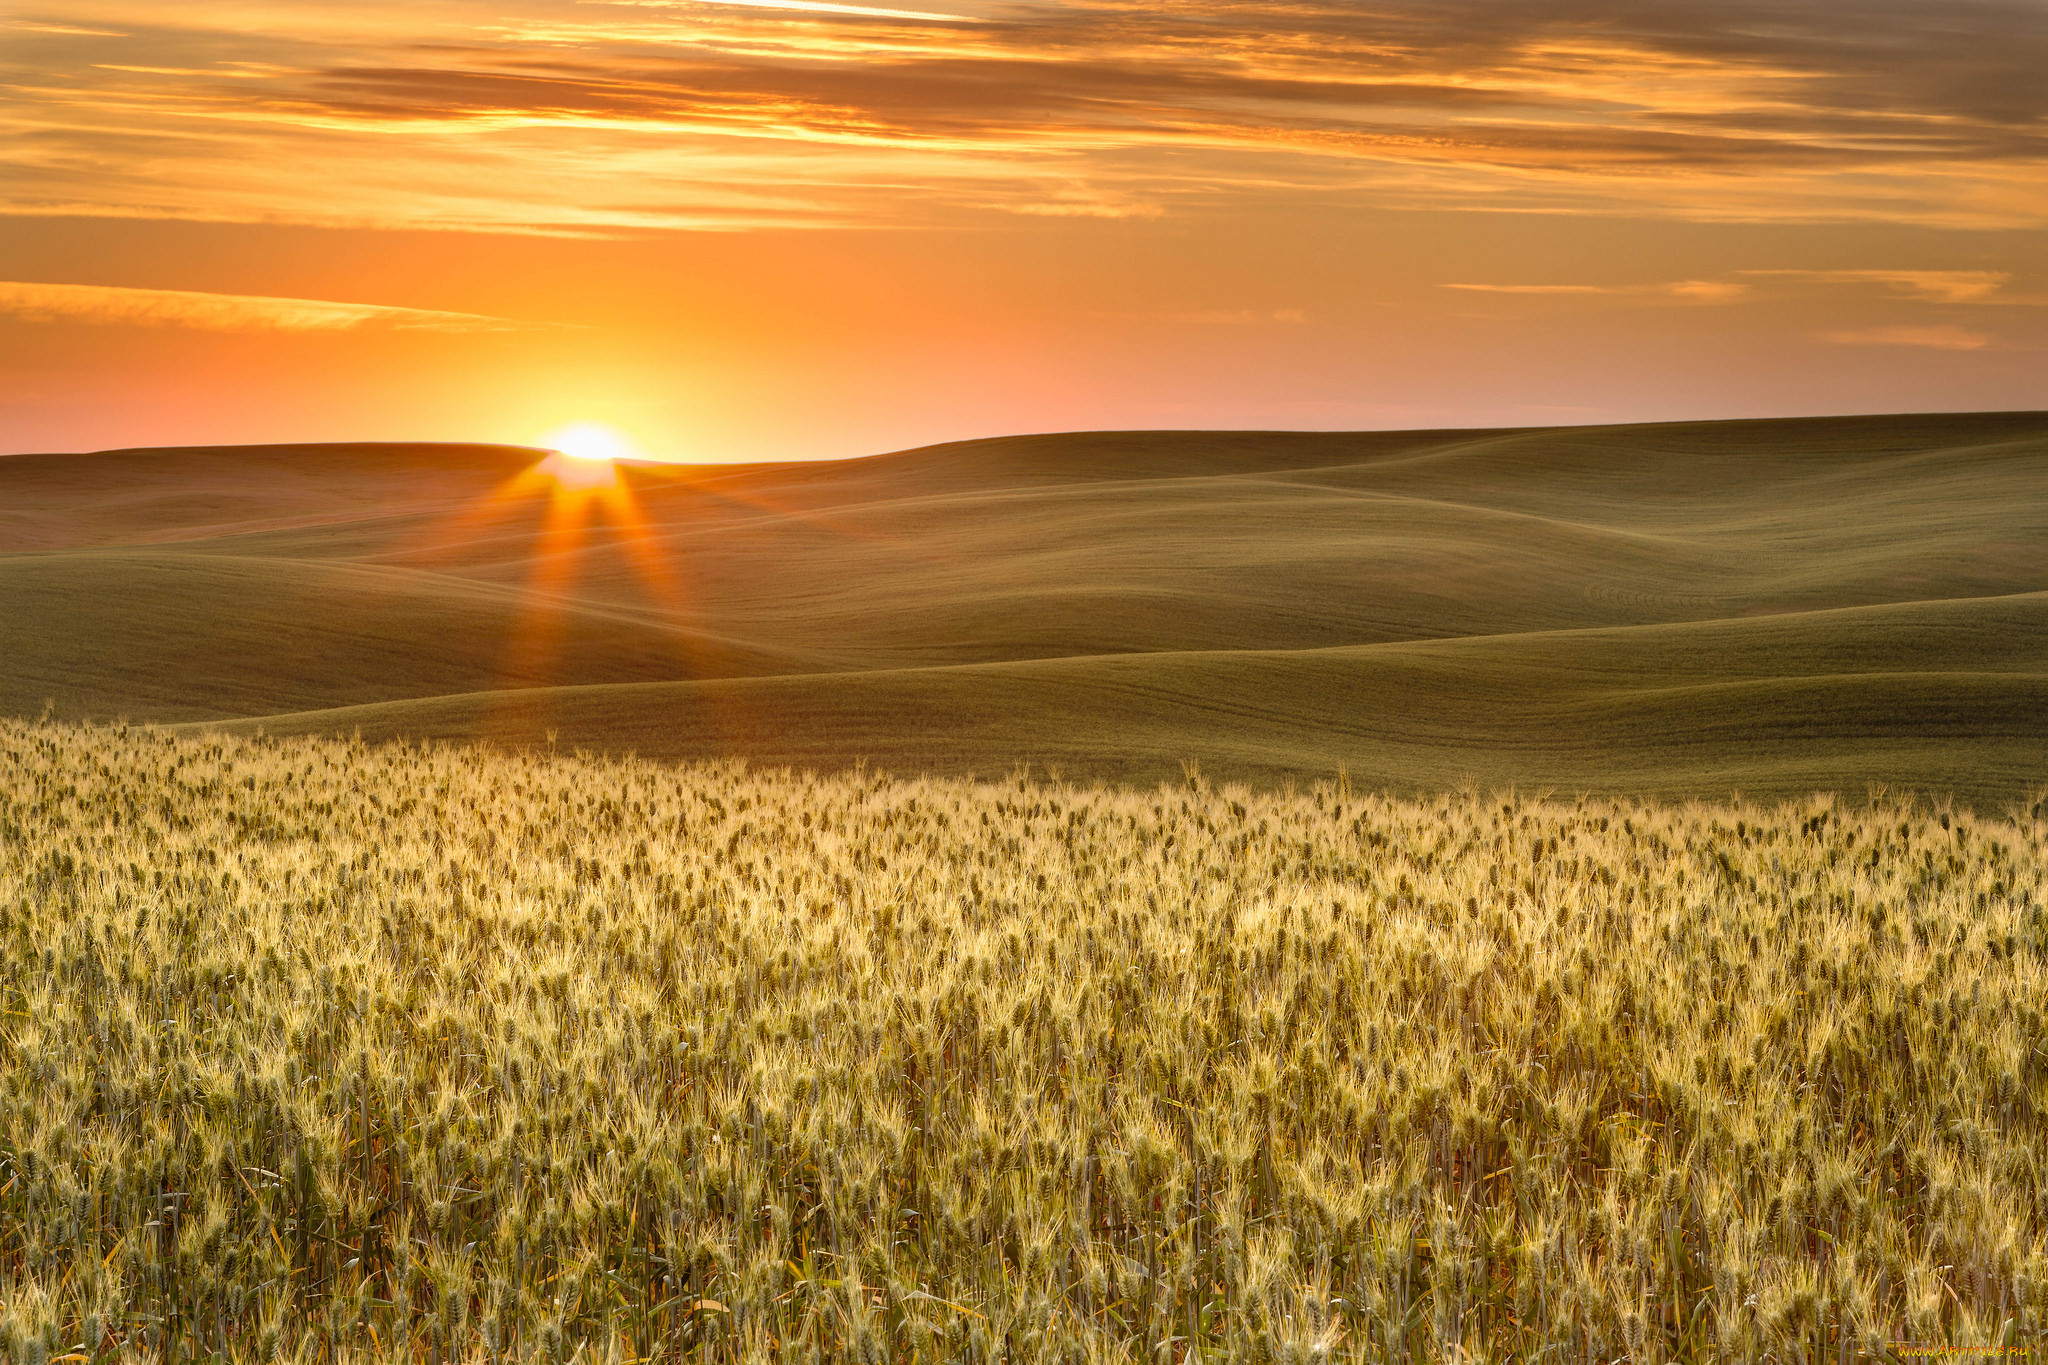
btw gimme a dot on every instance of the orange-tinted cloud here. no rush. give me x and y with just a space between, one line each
1940 286
1921 286
111 305
1942 338
553 116
1694 291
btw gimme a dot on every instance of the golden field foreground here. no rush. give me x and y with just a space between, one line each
343 1052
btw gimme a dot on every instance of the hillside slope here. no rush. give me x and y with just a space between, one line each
1677 608
1937 697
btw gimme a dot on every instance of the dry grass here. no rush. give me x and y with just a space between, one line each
339 1052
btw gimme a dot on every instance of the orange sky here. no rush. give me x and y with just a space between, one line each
786 229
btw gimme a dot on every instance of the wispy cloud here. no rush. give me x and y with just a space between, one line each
1695 291
533 114
1918 286
70 30
114 305
1940 286
1943 338
800 6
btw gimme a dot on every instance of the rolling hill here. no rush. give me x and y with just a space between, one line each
1678 609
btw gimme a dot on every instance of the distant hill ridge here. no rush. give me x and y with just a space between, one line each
1671 609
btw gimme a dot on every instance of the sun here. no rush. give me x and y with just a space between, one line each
592 441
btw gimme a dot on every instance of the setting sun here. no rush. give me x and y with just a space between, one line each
591 441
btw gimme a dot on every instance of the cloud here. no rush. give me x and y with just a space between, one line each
1939 286
528 114
1697 291
1079 202
67 30
800 6
115 306
1942 338
1922 286
1707 291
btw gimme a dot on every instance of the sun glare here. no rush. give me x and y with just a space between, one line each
588 509
591 441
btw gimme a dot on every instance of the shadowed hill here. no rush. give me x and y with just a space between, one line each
1771 706
298 634
1677 608
197 492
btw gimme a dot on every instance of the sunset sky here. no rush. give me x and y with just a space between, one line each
782 229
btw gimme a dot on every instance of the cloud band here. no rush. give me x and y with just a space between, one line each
117 305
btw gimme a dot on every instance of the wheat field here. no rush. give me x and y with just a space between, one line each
324 1051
